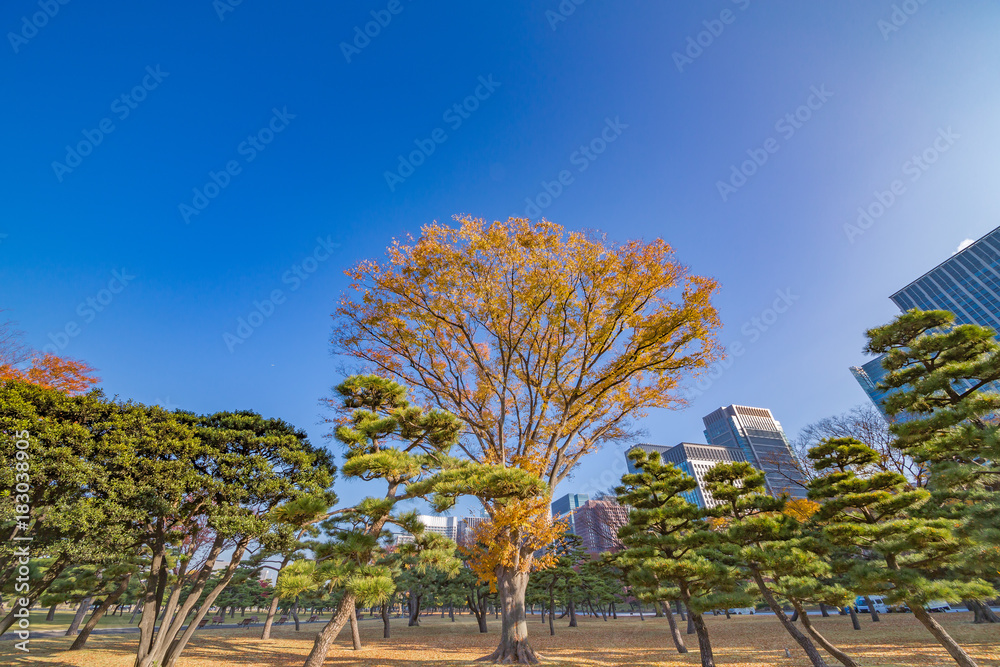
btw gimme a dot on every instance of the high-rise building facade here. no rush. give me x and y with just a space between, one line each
597 523
966 284
564 508
756 433
695 459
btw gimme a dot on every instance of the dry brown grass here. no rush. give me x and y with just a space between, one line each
743 640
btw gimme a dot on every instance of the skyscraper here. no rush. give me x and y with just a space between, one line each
694 459
566 506
966 284
756 433
597 523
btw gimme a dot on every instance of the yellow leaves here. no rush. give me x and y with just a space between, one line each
801 509
510 538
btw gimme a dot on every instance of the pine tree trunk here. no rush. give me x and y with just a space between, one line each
871 609
269 621
572 612
78 618
355 632
675 632
91 623
956 651
552 610
658 608
690 627
845 659
854 617
680 610
325 637
385 620
514 646
823 610
814 657
51 616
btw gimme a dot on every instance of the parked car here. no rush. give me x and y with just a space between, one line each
877 601
937 605
743 610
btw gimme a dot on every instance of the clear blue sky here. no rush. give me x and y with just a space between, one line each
329 121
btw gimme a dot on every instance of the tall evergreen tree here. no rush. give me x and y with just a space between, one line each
944 379
666 536
770 548
881 515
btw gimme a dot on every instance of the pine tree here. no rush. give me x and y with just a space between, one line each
880 515
771 550
944 379
666 537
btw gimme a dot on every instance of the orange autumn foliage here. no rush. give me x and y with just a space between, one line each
547 343
53 372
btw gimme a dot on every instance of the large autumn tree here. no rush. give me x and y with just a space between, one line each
545 342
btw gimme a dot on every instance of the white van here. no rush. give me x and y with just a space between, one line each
877 601
937 605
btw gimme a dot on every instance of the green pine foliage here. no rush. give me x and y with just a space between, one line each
899 551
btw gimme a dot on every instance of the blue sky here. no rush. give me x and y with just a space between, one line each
250 150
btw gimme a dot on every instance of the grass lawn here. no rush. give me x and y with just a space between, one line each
742 640
64 617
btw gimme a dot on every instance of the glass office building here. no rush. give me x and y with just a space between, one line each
756 433
695 459
966 284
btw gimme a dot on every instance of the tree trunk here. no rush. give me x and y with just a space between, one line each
138 608
325 637
355 633
704 643
690 628
956 651
823 610
814 657
657 608
385 620
572 612
680 610
845 659
78 618
451 612
81 640
414 609
871 609
295 613
854 617
795 615
675 632
514 646
552 610
271 610
50 575
51 616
